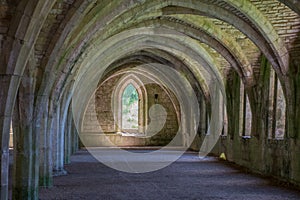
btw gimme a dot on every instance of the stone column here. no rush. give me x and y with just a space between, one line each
203 115
46 163
58 144
68 138
9 85
27 22
74 137
234 93
26 142
65 124
4 158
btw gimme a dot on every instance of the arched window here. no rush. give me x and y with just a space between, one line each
130 108
130 105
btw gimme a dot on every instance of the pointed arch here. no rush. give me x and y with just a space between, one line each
121 86
130 108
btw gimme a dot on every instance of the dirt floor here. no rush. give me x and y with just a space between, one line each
187 178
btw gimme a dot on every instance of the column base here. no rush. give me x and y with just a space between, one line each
60 172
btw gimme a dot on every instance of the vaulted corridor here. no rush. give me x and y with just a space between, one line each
216 77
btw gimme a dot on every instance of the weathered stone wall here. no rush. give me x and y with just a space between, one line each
90 122
99 122
104 105
285 21
6 12
271 152
276 158
166 134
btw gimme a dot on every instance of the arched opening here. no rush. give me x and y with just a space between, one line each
130 108
130 102
277 108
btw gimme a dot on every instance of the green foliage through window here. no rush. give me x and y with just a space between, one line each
130 100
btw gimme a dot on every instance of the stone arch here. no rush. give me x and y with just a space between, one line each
136 35
94 75
206 32
269 45
134 97
86 25
292 4
19 42
117 103
133 7
277 109
212 11
134 47
148 56
266 29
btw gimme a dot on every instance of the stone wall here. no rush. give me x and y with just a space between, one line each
104 105
100 127
170 128
272 152
275 158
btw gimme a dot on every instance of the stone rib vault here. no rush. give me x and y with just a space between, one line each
57 53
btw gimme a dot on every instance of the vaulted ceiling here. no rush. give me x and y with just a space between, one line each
65 39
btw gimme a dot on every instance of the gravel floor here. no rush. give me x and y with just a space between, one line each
187 178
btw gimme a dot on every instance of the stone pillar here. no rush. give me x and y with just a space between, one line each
292 93
74 137
14 55
4 158
26 143
203 114
58 144
8 90
235 93
68 138
46 163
